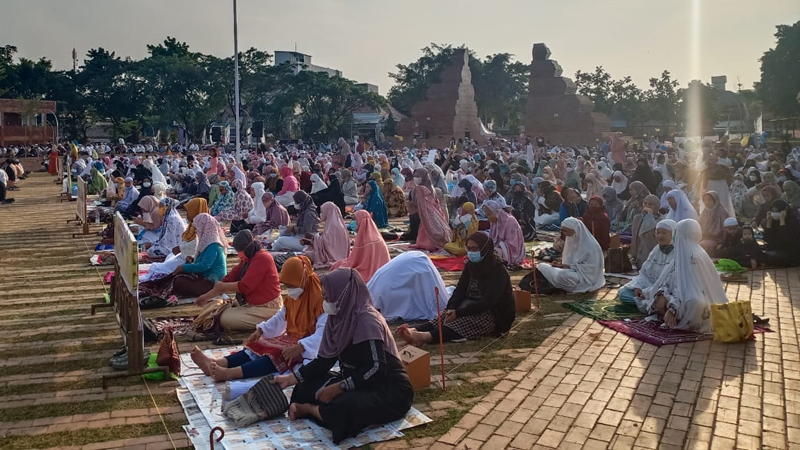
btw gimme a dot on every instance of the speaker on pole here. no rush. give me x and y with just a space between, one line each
216 134
257 129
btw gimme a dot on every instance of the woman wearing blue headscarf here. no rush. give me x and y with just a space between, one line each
374 203
225 199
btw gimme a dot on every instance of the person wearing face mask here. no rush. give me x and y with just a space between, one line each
372 387
296 329
481 305
255 282
649 271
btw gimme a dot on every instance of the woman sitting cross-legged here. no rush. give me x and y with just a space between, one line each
301 319
372 387
688 286
255 282
659 258
581 269
481 305
294 238
196 278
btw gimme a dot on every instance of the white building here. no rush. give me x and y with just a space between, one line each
301 61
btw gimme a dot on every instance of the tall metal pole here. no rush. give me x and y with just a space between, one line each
236 81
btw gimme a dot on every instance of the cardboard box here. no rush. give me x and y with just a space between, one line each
614 241
522 300
417 363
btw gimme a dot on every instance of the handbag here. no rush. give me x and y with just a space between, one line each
168 353
617 260
732 322
262 402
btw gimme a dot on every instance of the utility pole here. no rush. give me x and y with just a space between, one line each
236 82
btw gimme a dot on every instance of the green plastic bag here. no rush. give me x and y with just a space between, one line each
729 266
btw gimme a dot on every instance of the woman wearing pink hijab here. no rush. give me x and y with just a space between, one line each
505 232
290 185
370 252
333 244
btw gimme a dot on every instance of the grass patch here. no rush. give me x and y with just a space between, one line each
454 393
62 366
88 436
95 382
438 427
95 406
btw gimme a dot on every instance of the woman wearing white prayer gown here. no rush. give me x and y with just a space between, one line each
157 176
581 269
654 265
679 206
405 288
317 184
259 212
688 286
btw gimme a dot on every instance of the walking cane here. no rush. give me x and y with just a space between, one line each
441 340
211 436
535 283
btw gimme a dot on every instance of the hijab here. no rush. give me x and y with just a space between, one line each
333 244
224 201
582 253
638 192
258 213
619 186
356 319
302 312
306 210
275 215
484 266
612 204
683 207
245 242
208 232
370 252
791 193
506 231
193 207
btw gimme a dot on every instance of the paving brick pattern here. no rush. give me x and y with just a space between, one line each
590 387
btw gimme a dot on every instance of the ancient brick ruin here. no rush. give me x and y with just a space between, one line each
555 110
449 110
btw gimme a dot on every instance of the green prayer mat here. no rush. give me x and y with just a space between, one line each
729 266
605 310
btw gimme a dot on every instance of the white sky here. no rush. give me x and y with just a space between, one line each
366 38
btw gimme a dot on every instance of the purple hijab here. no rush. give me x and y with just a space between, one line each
356 319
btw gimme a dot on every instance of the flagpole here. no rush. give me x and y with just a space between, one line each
236 81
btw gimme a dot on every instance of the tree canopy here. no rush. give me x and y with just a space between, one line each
779 88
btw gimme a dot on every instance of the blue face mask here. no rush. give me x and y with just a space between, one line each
475 257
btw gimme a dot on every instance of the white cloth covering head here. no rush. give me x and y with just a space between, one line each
695 277
317 184
731 222
259 212
583 254
683 207
405 288
619 186
666 224
156 174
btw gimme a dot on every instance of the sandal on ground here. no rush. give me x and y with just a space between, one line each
226 341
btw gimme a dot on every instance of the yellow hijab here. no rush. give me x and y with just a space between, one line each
194 207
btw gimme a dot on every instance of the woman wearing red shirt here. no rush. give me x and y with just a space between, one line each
255 282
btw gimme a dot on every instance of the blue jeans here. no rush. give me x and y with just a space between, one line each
626 296
251 368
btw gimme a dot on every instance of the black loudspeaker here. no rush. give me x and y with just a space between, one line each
257 129
216 134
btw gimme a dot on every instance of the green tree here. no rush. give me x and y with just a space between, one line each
186 89
413 80
708 97
598 87
113 88
628 100
501 89
663 100
780 72
327 103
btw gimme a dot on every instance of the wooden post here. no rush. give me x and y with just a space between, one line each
535 283
441 339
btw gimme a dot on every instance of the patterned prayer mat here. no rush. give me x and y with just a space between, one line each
652 333
605 310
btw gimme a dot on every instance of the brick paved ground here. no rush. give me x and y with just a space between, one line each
590 387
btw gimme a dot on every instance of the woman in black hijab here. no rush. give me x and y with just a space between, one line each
644 173
333 193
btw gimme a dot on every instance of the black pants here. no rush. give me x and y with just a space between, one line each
2 192
413 228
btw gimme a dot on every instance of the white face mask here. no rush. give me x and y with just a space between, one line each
417 180
295 293
776 215
329 308
753 178
146 184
